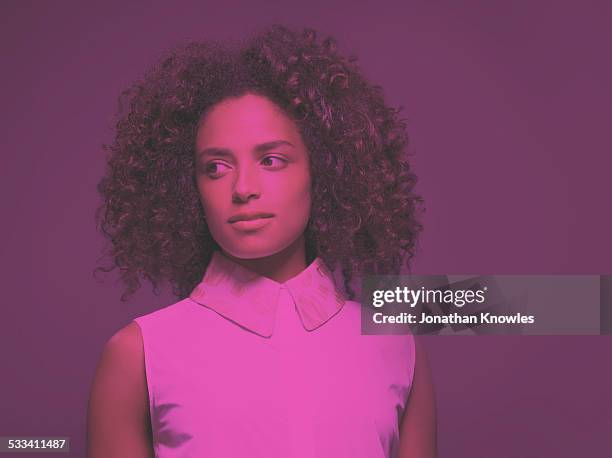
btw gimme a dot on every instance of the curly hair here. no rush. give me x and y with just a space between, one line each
364 211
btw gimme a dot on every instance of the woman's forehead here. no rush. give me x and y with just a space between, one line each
248 118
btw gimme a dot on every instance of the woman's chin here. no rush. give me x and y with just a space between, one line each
253 251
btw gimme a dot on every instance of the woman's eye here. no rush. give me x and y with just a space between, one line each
216 169
274 162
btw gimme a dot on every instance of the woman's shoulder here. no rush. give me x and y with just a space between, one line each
118 403
124 349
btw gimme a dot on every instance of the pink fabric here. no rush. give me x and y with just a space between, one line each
250 367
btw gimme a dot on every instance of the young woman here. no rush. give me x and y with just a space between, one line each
245 176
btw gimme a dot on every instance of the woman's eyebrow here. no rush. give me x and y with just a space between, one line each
217 152
261 148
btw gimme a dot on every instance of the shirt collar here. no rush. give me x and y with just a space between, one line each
250 300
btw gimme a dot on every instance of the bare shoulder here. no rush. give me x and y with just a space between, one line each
126 343
123 354
118 422
418 435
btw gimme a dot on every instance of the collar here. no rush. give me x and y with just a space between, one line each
250 300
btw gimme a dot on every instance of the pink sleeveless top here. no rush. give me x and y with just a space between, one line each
248 367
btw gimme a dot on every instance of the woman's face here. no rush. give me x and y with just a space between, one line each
253 177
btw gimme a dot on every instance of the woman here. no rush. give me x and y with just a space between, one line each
244 176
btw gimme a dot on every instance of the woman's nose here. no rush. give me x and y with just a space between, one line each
246 185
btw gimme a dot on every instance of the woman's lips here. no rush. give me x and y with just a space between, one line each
251 224
247 216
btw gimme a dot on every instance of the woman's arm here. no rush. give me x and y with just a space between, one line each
118 423
418 431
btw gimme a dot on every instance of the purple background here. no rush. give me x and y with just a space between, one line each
507 105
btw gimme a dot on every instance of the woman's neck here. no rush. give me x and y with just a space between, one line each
280 266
